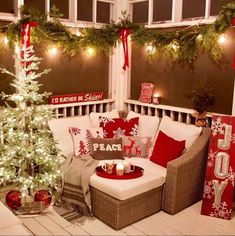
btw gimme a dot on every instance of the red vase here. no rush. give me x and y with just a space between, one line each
13 199
43 195
233 21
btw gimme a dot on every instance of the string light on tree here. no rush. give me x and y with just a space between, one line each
17 49
150 49
78 33
52 51
5 40
174 46
90 51
199 37
222 39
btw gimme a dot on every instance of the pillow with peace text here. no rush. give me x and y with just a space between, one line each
106 148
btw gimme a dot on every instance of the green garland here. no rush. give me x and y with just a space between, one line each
179 45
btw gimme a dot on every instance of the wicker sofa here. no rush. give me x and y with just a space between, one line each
182 188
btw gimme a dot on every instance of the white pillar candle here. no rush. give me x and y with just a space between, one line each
156 98
120 168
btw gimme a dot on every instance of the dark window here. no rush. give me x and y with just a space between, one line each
84 10
7 6
162 10
216 6
140 12
103 12
193 8
36 4
63 6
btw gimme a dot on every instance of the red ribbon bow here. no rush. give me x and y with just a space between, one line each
124 35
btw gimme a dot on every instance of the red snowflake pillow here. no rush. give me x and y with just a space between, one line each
82 139
118 127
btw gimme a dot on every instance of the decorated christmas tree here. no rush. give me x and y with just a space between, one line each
28 155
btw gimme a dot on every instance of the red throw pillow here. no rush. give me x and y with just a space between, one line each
118 127
166 149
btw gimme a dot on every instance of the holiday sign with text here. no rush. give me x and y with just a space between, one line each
220 174
72 98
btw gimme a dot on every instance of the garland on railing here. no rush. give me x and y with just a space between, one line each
179 45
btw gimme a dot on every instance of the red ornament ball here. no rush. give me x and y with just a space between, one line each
43 195
13 199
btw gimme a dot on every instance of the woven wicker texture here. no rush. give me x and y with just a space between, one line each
185 176
120 213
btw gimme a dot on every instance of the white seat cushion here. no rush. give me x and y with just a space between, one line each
153 177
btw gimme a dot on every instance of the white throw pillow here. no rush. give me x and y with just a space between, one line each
60 131
82 139
180 131
94 116
148 125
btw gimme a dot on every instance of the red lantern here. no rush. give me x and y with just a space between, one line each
13 199
43 195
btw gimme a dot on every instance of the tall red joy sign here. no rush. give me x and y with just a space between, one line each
220 175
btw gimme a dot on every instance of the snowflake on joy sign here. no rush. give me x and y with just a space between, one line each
231 175
208 191
233 138
135 130
211 158
119 133
217 126
221 211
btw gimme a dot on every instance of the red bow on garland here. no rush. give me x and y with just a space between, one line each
25 37
124 35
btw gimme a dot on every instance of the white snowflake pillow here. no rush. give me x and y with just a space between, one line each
82 139
118 127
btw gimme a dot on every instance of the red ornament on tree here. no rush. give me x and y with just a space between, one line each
43 195
13 199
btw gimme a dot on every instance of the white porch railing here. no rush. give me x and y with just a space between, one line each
82 108
176 113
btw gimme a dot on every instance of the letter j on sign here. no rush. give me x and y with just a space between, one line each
220 173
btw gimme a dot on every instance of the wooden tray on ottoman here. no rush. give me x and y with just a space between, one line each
121 213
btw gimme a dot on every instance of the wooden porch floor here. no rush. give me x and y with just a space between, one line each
186 222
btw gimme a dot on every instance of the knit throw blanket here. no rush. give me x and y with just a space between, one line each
77 173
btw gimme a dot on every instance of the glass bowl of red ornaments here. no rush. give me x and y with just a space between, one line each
28 205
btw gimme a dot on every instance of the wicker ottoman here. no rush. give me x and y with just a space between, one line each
120 213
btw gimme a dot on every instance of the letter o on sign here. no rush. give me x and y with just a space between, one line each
221 164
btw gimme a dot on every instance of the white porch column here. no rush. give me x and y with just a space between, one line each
119 80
